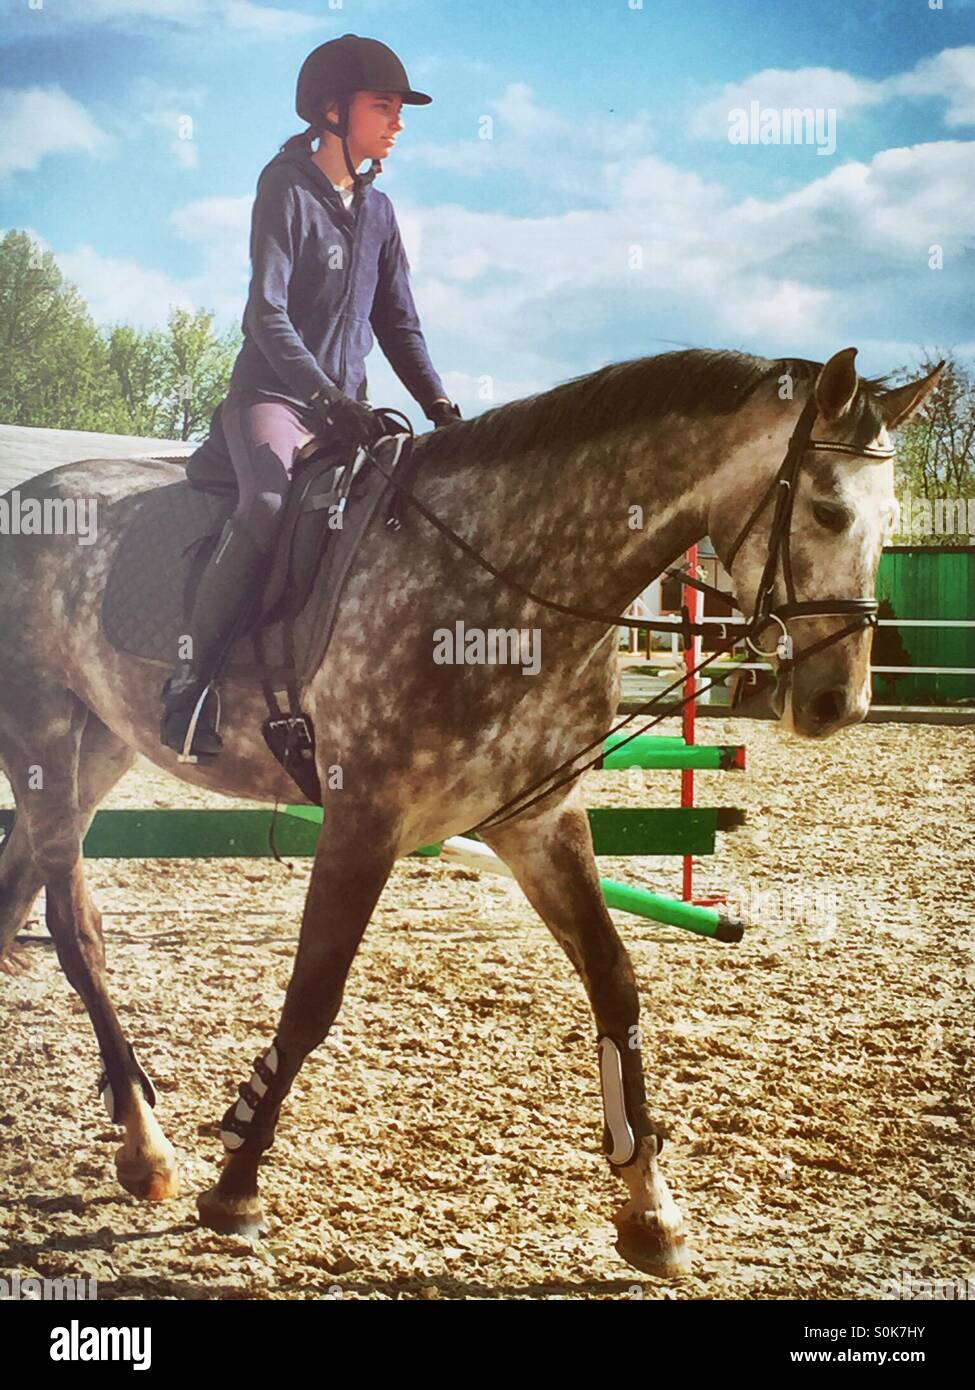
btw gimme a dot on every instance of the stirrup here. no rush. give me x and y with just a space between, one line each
185 755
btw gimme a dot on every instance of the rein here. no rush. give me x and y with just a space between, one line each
783 489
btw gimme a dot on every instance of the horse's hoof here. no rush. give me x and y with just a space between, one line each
15 960
231 1216
148 1181
646 1243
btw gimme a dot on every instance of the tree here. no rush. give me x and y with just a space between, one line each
198 368
936 459
172 382
136 361
53 369
59 371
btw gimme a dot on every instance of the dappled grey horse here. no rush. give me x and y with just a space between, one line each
583 494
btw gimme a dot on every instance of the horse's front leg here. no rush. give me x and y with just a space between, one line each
353 860
552 859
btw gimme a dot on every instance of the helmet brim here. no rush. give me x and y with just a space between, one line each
411 98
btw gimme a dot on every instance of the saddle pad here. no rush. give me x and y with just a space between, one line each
170 536
164 546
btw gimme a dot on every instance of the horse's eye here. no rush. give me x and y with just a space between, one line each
834 518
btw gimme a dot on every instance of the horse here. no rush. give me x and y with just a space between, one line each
582 494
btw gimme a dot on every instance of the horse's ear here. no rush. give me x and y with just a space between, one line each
899 405
837 384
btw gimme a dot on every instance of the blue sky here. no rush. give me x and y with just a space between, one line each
607 216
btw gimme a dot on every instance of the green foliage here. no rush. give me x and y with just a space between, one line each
59 371
936 459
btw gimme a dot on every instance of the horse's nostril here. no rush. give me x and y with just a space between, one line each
828 706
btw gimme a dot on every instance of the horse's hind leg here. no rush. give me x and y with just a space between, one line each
552 860
53 793
20 884
103 759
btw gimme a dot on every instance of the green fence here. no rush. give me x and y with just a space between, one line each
930 582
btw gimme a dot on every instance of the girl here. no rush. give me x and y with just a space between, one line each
329 272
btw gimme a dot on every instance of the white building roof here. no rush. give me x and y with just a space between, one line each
25 451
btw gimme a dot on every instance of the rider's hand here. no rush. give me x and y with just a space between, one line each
443 413
357 423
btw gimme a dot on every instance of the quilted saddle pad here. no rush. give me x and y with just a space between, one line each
163 549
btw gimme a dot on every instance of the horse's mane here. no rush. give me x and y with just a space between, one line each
694 382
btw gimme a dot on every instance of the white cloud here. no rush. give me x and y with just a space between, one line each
39 121
948 76
266 22
36 122
237 16
171 123
121 291
527 301
531 139
779 88
891 209
524 117
219 229
213 220
842 258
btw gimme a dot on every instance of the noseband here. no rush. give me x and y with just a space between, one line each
783 488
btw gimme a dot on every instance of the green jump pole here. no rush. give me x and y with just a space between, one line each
643 741
648 751
703 921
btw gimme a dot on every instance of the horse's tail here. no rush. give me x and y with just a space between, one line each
5 829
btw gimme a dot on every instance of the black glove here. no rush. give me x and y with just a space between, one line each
351 420
443 413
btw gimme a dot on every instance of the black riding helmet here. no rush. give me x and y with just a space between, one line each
334 71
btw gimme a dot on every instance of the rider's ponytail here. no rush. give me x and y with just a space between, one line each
302 140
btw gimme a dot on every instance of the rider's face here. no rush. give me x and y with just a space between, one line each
374 123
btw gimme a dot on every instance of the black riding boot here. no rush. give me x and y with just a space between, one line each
227 588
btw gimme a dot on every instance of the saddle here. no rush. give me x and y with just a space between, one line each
172 531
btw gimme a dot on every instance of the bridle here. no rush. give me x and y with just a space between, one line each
783 488
863 611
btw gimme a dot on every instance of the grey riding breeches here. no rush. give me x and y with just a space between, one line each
264 435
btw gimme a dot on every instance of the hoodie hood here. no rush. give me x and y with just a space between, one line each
305 171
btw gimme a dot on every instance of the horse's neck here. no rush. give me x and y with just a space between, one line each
593 525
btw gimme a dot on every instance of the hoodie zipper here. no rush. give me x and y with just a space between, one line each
349 298
344 216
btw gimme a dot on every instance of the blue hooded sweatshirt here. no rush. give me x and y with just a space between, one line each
325 280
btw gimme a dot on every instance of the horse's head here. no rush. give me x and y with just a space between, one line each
842 508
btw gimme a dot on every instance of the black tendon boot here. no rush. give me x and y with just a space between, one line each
223 599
